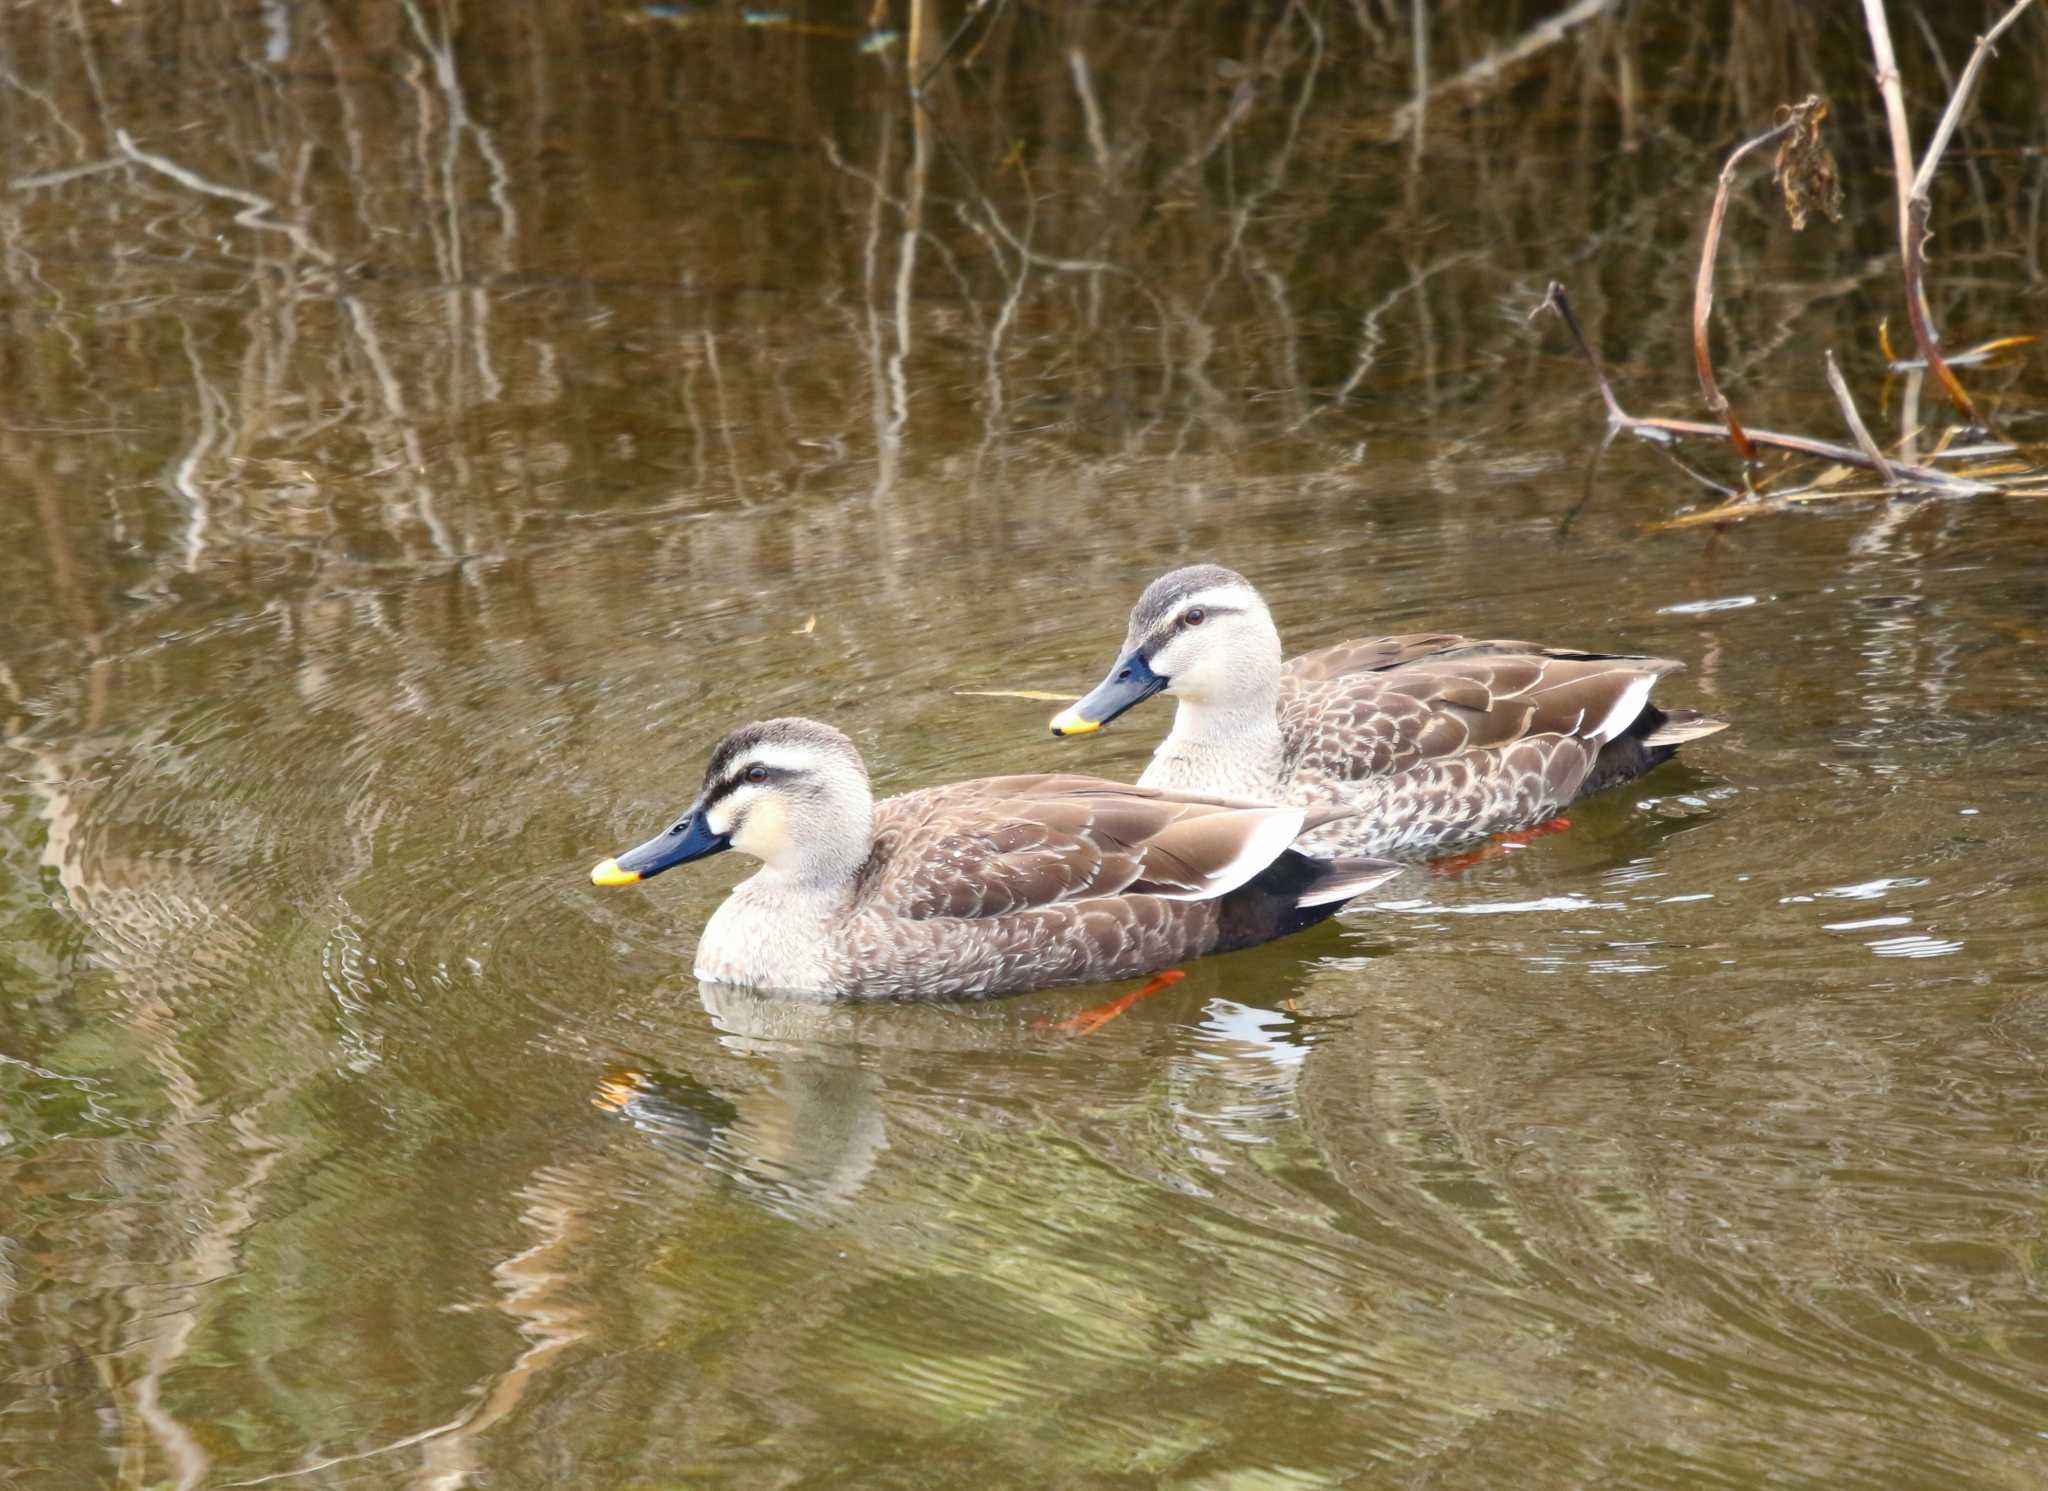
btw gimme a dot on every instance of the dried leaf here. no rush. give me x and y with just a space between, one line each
1805 168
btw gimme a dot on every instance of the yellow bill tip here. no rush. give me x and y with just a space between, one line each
1067 722
609 873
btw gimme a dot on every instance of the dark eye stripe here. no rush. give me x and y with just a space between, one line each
731 784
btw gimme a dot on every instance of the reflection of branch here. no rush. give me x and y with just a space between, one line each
732 457
992 383
1091 111
1276 170
13 80
926 70
255 210
532 1282
1370 336
1418 27
183 475
1488 69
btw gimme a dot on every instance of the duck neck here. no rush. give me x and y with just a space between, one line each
776 929
1226 735
813 858
1231 751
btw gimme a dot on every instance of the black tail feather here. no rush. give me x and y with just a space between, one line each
1651 739
1295 891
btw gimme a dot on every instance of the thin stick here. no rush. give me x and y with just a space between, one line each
1919 204
1894 104
1703 290
1952 116
1855 422
1913 185
1555 299
1913 246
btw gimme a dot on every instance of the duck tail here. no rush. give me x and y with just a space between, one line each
1338 880
1677 726
1297 890
1652 739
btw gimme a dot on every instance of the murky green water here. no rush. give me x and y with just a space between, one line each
426 430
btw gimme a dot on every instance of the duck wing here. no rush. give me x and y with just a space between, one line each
1006 844
1375 708
1376 654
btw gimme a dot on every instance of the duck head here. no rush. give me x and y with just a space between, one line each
1201 634
791 793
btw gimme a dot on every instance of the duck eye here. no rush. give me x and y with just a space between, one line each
1195 616
756 774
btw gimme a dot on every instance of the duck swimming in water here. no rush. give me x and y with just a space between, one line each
992 886
1430 740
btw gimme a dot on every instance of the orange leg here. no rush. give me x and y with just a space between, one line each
1091 1020
1495 847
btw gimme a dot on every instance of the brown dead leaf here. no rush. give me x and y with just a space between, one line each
1805 168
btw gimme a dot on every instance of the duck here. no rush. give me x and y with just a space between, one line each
1431 739
996 885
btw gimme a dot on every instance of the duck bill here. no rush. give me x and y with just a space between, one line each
1131 681
690 839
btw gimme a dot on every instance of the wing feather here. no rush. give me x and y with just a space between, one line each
1000 845
1386 706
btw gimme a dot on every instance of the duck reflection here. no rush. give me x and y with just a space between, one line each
1242 1074
803 1144
801 1127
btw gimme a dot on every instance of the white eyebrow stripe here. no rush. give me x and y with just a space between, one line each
777 758
1228 596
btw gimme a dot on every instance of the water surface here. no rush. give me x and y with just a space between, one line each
428 430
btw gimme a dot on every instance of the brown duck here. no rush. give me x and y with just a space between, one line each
990 886
1428 740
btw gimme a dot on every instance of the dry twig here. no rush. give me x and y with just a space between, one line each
1807 174
1913 185
1856 426
1652 428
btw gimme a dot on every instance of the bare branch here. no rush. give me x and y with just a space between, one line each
1664 430
1856 426
1953 114
1703 287
1914 184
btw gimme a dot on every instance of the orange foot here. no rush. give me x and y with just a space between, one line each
1495 847
1091 1020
